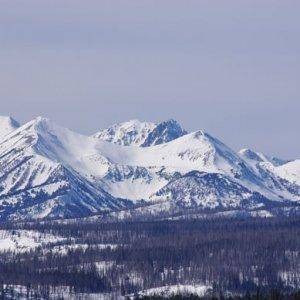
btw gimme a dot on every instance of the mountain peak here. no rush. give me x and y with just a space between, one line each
42 161
172 122
8 119
200 133
36 121
40 124
164 132
41 119
7 125
250 155
133 121
133 124
43 122
132 132
138 133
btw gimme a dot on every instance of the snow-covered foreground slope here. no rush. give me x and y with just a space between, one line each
26 240
50 171
173 290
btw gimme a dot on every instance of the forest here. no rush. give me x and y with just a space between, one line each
232 257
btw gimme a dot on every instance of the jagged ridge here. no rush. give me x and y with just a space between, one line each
50 171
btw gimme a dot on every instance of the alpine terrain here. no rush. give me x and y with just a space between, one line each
136 168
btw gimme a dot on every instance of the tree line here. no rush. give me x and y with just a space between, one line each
239 256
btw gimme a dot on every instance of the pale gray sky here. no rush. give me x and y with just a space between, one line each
229 67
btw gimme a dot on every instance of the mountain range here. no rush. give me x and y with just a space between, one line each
48 171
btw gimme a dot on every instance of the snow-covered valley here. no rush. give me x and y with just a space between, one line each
133 260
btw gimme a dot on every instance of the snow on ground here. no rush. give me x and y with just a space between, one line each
289 278
164 292
135 189
133 132
62 292
7 125
194 151
25 240
128 172
170 290
103 266
63 249
290 171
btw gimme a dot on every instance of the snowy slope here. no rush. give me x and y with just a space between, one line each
164 132
256 157
7 125
289 171
26 240
39 174
173 290
144 134
278 175
50 171
133 132
134 182
195 151
209 190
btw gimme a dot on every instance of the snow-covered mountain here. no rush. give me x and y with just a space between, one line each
289 171
133 132
209 190
7 125
277 174
50 171
39 174
143 134
164 132
252 156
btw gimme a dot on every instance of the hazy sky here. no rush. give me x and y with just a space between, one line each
229 67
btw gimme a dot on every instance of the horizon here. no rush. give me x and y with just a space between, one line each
231 68
149 121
